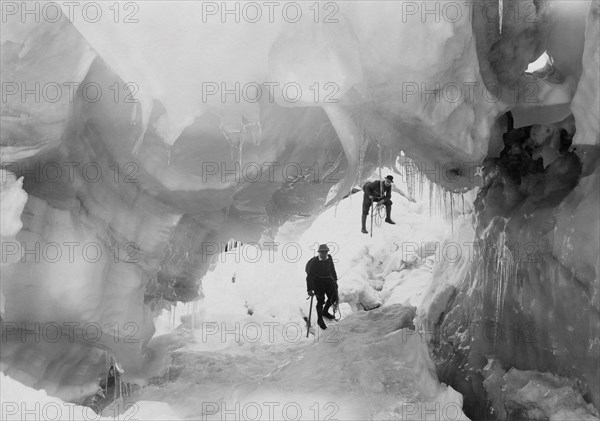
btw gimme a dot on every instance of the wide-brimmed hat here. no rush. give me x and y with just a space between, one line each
389 177
323 247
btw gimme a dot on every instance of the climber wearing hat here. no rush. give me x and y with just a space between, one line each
372 194
321 280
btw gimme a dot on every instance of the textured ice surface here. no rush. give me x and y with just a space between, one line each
366 366
585 106
13 201
535 395
535 260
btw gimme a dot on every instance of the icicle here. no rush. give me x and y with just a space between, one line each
405 170
430 201
107 368
433 198
505 265
240 157
174 316
171 317
407 176
410 182
379 162
462 196
445 204
398 168
118 379
361 157
418 186
412 188
169 155
500 14
439 200
194 311
452 212
259 135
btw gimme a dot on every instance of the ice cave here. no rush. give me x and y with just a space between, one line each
293 210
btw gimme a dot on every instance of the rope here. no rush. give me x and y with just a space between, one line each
336 309
378 214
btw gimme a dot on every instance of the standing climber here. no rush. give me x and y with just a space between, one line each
372 194
111 380
321 280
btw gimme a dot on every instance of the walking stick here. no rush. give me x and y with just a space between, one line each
371 218
309 315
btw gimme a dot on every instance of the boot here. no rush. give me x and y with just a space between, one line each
320 316
364 222
328 315
321 323
326 312
388 218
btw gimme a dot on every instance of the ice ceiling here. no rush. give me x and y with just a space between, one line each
141 166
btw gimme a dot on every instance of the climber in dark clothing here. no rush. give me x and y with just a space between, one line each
108 384
321 280
372 194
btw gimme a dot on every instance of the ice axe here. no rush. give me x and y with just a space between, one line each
309 315
372 200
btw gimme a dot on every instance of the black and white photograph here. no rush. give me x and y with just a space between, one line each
304 210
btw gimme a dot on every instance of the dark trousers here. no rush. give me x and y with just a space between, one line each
367 205
325 287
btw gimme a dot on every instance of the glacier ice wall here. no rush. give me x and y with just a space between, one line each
529 299
133 183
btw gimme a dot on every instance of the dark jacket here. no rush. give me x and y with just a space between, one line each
374 189
319 271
